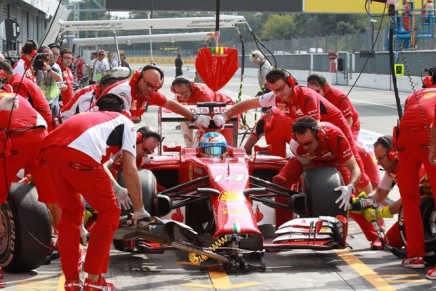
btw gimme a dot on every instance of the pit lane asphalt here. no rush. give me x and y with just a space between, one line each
355 268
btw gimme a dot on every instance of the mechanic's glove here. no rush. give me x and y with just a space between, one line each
122 196
142 218
7 102
372 214
344 199
220 119
202 121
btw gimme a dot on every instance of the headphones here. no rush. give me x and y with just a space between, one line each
285 75
144 132
182 80
390 152
429 80
302 126
153 67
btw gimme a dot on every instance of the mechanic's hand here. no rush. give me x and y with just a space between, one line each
122 196
220 119
142 218
344 199
9 102
372 214
202 121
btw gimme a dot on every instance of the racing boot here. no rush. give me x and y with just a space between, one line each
73 285
101 284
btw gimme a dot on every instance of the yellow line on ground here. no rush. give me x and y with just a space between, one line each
61 282
363 270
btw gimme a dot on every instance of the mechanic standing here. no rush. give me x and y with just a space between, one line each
73 154
142 90
21 131
413 151
65 61
339 99
190 93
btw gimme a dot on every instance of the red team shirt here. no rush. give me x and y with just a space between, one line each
68 78
202 93
81 102
29 90
334 147
137 106
115 131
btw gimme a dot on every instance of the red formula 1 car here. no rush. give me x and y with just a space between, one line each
224 207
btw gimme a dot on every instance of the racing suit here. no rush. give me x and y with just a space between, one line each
68 78
334 150
74 154
277 128
202 93
24 68
19 147
133 103
341 101
413 141
306 102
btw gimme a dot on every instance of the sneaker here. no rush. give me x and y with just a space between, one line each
73 285
101 284
431 274
377 244
413 263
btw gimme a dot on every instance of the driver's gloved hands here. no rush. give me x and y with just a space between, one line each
142 218
344 199
202 121
122 196
220 119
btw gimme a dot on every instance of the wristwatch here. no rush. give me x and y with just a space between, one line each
194 117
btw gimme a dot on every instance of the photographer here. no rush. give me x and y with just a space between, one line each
47 77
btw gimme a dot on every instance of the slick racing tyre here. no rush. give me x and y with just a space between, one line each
26 230
148 182
318 184
428 214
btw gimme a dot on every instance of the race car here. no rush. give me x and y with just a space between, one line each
216 202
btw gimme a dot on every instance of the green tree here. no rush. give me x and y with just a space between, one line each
279 27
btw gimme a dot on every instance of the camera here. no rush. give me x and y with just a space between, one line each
39 60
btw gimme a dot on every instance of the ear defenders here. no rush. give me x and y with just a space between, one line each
390 151
285 75
144 132
300 126
152 67
182 80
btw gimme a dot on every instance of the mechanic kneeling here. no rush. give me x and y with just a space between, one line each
322 144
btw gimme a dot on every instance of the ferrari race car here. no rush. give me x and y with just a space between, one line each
221 204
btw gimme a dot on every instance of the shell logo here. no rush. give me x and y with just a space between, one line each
428 95
231 195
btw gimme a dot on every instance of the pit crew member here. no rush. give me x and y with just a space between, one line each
73 154
317 144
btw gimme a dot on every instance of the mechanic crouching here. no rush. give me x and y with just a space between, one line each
73 154
322 144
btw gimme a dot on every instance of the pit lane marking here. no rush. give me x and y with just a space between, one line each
363 270
221 281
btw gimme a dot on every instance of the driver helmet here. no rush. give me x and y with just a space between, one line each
213 144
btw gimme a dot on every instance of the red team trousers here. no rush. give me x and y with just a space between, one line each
74 174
